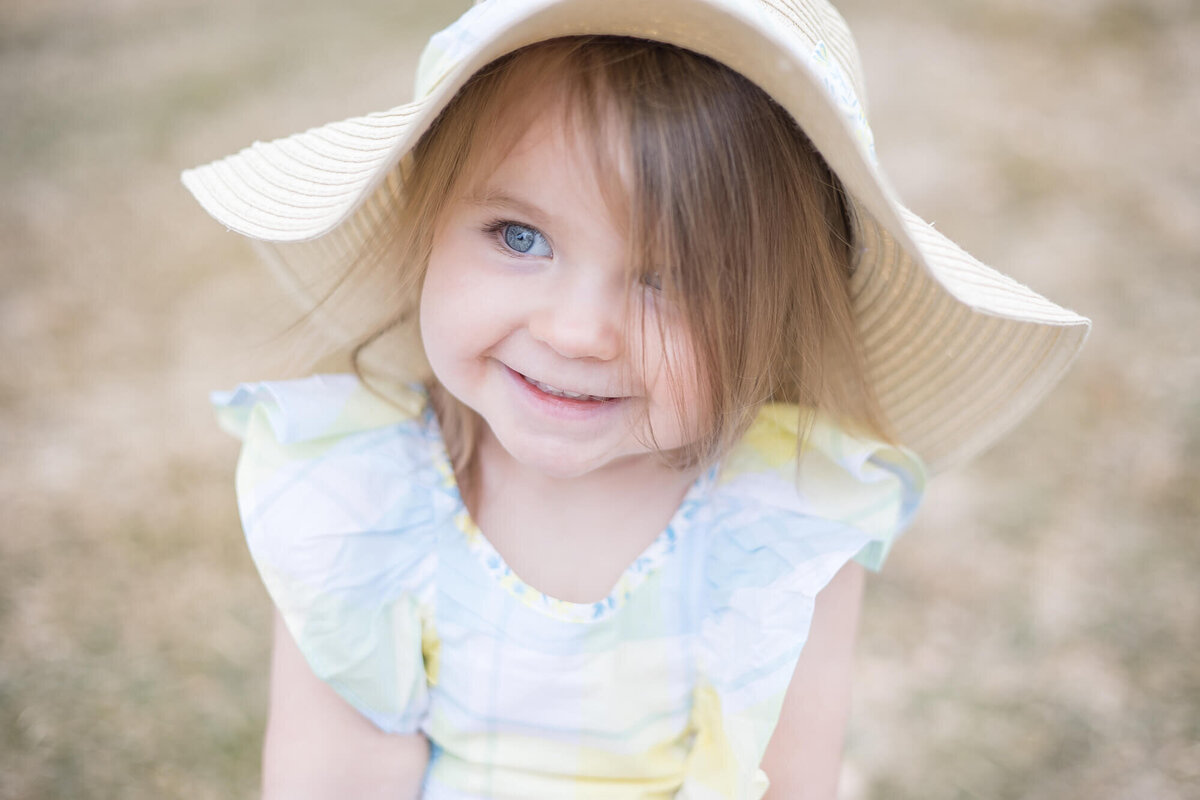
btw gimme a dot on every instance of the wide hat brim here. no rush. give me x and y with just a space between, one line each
957 353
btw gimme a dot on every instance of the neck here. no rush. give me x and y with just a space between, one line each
572 537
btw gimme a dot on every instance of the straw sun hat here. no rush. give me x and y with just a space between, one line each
957 352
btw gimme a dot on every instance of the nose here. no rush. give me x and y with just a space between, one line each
581 319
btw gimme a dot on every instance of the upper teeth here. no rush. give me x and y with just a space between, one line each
554 390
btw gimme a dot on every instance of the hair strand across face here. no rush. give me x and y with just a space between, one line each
727 206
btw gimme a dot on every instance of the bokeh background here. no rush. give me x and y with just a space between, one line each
1037 634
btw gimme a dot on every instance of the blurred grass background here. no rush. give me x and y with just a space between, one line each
1037 635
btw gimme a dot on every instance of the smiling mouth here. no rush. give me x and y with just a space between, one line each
554 391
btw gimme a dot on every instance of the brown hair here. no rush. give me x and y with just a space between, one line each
729 203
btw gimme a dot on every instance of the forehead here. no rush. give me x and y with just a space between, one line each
556 151
543 132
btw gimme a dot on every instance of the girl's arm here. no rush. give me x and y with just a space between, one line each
318 747
804 756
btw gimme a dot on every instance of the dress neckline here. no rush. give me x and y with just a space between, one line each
649 561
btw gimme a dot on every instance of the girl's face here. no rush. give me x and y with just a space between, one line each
523 316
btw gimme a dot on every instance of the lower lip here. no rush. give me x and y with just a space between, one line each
562 407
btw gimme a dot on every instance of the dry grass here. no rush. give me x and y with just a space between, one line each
1035 637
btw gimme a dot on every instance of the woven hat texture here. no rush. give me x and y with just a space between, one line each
957 352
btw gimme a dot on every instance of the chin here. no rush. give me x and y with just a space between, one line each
560 461
553 463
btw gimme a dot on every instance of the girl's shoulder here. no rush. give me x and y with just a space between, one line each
317 408
828 475
783 520
328 456
337 485
330 453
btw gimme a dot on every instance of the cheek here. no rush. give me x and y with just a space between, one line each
437 314
676 381
454 278
429 309
458 317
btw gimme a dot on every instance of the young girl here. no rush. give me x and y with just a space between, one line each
649 362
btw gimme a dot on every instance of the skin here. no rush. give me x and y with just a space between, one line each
554 313
491 316
318 747
804 757
527 280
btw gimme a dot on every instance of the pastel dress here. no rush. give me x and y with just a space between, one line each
669 687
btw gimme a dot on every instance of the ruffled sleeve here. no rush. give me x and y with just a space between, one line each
862 483
336 497
784 523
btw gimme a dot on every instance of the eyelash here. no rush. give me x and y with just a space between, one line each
495 230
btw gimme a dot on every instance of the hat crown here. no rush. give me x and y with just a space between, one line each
812 28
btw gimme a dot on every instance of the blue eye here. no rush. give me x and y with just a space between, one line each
652 280
525 240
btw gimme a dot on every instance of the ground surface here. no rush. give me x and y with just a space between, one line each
1035 636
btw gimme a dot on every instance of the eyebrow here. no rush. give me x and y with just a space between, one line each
499 197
